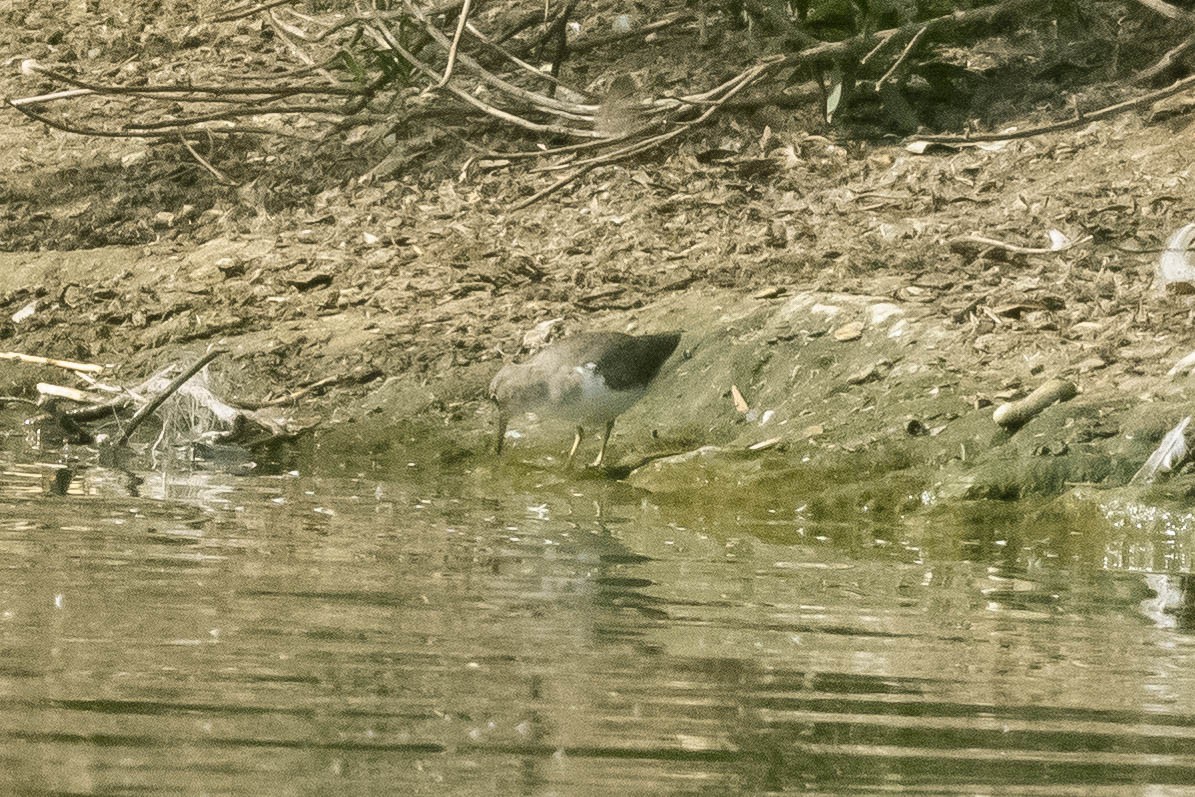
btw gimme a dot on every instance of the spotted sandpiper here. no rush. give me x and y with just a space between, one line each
590 378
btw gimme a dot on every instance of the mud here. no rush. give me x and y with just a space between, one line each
825 281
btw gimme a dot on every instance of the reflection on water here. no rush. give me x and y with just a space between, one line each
283 635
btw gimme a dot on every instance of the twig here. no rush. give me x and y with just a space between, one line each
180 380
287 34
118 91
97 133
184 122
586 44
61 391
216 91
37 359
554 187
583 167
1167 10
240 13
202 161
456 41
295 395
57 95
1177 87
883 42
900 59
1166 61
992 243
514 59
567 110
82 131
385 39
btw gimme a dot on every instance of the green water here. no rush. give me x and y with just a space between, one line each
493 632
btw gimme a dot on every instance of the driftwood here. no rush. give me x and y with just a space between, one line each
190 412
148 408
70 365
1016 414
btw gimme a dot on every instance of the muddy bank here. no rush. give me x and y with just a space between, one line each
852 404
869 343
838 403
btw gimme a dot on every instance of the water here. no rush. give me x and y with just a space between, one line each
523 633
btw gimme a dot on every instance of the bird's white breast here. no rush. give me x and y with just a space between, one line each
597 402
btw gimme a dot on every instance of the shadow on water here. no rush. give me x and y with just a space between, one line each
514 628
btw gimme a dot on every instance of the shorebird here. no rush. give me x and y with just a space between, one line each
588 379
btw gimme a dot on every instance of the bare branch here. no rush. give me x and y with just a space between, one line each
1168 59
1177 87
456 42
900 59
214 91
385 39
180 380
242 12
220 178
1167 10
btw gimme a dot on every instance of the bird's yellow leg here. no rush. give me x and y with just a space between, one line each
572 452
597 463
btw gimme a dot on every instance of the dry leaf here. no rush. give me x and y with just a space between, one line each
740 403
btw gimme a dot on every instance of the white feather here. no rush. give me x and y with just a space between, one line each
1169 454
598 402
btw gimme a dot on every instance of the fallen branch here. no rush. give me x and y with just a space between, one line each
1177 87
61 391
143 413
295 395
104 409
245 101
830 52
36 359
636 148
1168 59
247 11
1167 10
593 42
202 161
900 59
966 241
40 99
97 133
456 43
191 90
